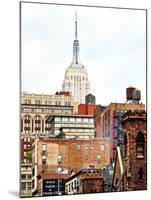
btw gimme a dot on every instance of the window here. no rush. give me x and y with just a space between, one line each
58 103
125 146
27 101
79 120
44 147
37 117
37 110
102 147
59 158
65 119
43 159
140 143
23 186
29 176
75 183
91 121
72 119
23 176
29 186
33 172
33 184
98 158
27 119
86 157
47 102
86 120
140 173
57 119
37 102
78 147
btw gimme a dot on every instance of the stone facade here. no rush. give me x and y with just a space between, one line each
35 109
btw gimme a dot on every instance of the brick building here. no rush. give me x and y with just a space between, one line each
26 148
110 122
131 172
55 159
85 181
135 151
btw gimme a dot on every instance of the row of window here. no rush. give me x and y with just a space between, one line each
74 120
66 130
78 146
79 78
59 159
47 102
39 110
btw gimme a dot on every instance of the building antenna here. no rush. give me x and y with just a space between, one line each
76 43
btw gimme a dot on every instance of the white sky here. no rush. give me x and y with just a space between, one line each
112 48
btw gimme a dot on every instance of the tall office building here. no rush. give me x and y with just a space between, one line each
76 76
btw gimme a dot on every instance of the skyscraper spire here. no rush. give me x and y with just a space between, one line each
76 33
76 76
76 44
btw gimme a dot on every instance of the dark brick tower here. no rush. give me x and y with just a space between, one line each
135 150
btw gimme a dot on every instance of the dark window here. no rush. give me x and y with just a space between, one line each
33 184
29 186
33 172
140 173
140 143
37 102
44 160
37 121
21 125
23 186
23 176
26 128
125 145
37 128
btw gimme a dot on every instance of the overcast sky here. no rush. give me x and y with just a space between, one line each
112 48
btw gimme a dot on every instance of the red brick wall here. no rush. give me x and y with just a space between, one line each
87 109
132 126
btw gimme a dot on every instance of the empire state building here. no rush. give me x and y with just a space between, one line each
76 76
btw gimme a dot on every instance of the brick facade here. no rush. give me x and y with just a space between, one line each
135 151
70 156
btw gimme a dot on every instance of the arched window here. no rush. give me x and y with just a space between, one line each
140 143
37 123
27 120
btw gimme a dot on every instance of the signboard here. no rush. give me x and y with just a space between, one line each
53 187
